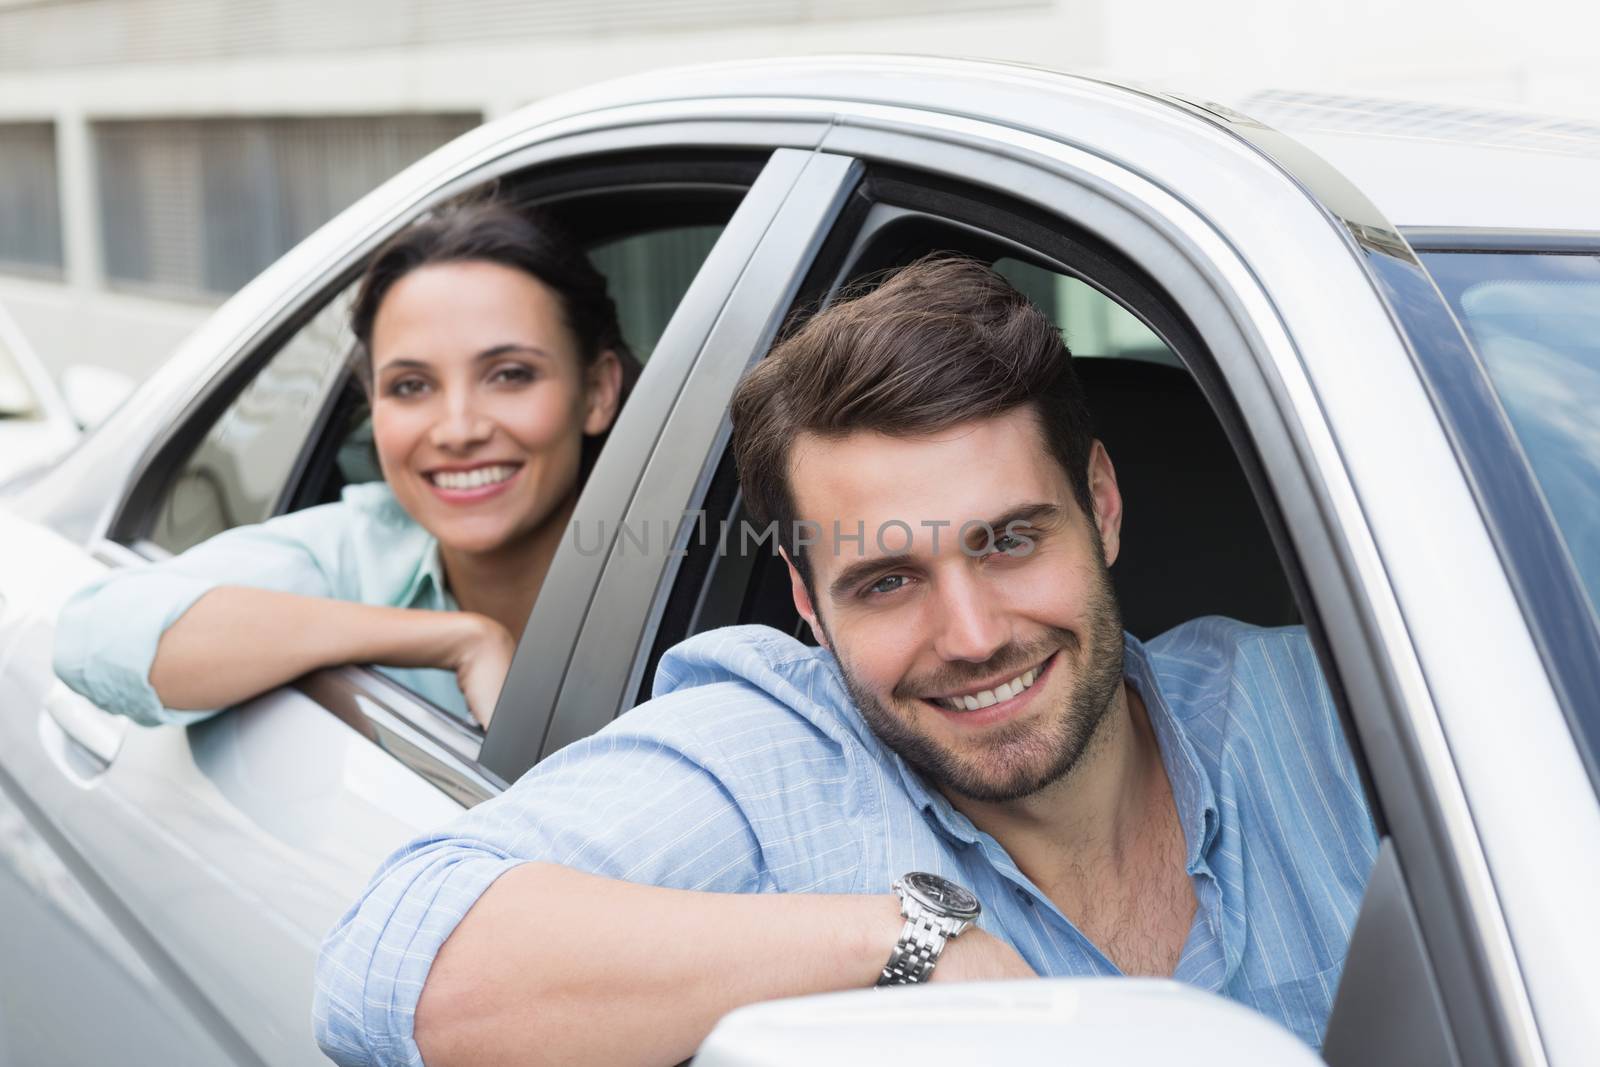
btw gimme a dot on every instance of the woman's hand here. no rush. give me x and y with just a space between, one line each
481 659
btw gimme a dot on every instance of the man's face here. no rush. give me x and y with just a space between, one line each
986 664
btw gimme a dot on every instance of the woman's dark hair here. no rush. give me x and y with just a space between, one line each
491 231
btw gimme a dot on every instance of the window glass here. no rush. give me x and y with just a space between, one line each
241 469
30 206
1535 320
649 273
1093 324
16 396
195 207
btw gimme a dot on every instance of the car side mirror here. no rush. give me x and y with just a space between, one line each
1126 1022
93 393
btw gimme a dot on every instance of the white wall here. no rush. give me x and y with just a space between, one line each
1537 55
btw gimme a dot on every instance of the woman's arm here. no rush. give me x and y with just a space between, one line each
236 642
280 598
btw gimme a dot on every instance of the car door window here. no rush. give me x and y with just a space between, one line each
1197 539
238 472
1196 544
295 432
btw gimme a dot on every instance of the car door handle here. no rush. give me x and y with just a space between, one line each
97 732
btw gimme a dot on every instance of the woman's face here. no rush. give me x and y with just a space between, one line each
480 401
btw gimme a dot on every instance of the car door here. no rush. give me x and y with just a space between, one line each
196 869
1259 267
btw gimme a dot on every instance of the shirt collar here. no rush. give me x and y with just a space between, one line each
428 581
1192 791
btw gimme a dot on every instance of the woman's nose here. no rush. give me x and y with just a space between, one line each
460 427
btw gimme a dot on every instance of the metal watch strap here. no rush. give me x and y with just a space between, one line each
922 939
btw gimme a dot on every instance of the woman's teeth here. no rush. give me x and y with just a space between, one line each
473 479
990 696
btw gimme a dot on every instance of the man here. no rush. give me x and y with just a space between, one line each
975 713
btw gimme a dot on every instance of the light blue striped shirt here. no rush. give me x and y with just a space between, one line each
751 771
365 548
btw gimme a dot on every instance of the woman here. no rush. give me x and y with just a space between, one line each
494 365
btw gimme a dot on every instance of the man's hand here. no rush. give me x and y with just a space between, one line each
979 956
481 657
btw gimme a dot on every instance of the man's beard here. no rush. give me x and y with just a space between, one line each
1019 758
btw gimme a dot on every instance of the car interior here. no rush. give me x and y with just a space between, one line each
1195 541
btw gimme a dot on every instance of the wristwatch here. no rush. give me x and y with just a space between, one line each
936 910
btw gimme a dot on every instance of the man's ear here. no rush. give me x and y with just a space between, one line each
602 393
802 601
1107 501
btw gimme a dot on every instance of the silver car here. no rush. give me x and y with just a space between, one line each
1349 370
36 423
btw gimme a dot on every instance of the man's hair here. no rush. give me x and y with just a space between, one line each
940 342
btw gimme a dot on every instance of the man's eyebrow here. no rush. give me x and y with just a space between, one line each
488 353
1039 514
859 572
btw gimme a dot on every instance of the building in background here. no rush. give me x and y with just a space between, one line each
156 154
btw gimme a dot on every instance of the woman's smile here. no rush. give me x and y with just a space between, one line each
470 484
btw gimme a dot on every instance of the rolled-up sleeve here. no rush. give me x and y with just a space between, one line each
633 802
107 633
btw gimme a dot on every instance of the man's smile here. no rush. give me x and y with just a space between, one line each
990 702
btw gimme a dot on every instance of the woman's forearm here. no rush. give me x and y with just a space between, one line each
237 642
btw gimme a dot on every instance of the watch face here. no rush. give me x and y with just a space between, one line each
942 895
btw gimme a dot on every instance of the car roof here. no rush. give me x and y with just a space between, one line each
1430 164
1423 165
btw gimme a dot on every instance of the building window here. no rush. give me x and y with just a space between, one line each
30 205
200 206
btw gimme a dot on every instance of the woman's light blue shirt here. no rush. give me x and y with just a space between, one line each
364 549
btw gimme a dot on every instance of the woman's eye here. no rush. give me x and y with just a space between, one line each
513 374
407 387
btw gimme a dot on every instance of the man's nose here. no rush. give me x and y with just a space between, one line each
971 624
460 426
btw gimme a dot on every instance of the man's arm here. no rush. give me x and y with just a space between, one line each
555 966
522 960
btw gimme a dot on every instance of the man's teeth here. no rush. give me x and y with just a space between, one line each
991 696
472 479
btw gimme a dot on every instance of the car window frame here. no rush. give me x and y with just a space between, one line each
1396 725
1372 679
886 202
623 600
429 740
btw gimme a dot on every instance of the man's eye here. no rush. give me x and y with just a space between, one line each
1014 544
889 583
